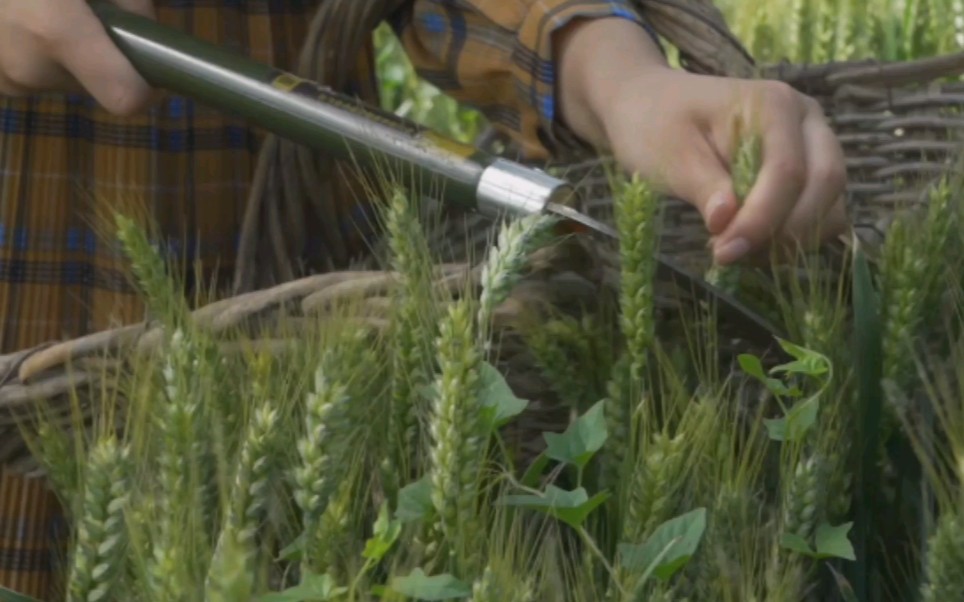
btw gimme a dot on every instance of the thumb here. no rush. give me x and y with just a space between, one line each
700 178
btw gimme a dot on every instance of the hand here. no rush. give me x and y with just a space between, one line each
677 130
61 46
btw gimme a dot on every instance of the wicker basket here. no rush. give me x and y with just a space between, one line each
899 123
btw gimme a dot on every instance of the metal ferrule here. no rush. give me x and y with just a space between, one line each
508 187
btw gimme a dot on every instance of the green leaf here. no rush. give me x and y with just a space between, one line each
532 474
808 362
500 403
675 540
571 507
415 501
313 588
868 372
581 440
384 535
752 366
422 587
294 551
8 595
799 420
832 542
792 541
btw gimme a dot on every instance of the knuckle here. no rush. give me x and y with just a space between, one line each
18 74
780 94
48 32
812 104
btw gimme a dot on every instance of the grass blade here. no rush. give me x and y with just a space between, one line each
869 367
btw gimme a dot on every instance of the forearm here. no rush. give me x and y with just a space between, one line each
594 56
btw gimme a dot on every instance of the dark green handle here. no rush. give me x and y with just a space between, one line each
294 108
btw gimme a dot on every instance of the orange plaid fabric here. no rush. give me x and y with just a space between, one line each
65 165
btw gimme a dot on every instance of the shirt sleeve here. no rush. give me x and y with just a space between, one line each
497 56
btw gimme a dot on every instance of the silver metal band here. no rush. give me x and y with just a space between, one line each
506 186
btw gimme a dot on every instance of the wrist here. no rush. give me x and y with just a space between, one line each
597 58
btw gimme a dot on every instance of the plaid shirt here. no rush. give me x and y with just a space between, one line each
65 164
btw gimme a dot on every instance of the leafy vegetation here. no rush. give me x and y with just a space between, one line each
370 460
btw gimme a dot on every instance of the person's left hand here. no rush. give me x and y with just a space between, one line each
677 131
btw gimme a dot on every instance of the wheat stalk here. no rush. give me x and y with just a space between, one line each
59 460
636 218
457 430
502 269
801 500
747 160
178 462
413 329
235 549
319 474
636 214
101 535
945 561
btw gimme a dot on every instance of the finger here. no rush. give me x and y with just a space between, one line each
826 180
781 179
89 55
699 177
24 66
47 76
837 221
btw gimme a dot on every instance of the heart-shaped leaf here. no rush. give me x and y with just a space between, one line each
799 420
797 543
313 588
832 542
384 534
420 586
500 403
415 501
670 546
571 507
581 440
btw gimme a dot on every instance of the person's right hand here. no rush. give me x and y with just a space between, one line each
61 46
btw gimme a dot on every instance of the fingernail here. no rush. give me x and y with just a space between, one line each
732 251
716 202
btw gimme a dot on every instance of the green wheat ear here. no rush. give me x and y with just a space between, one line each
746 165
101 535
746 162
945 561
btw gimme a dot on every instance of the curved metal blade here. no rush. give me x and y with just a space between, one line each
753 326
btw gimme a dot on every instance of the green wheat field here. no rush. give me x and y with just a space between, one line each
369 464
